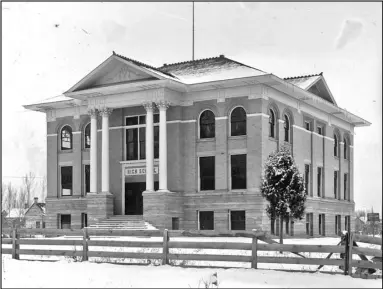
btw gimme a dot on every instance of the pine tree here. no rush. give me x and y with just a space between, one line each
283 188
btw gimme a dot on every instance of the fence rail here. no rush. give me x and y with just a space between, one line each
347 247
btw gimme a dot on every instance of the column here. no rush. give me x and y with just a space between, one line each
149 146
105 112
163 106
93 150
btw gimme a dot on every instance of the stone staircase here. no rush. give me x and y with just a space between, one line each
123 222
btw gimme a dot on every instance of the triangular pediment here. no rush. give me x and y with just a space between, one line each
114 71
321 89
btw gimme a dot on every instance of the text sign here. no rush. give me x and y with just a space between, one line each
371 217
138 171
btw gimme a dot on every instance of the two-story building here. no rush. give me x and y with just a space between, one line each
184 146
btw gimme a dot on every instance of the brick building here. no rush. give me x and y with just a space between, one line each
184 146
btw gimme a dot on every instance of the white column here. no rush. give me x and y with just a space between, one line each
105 112
93 150
163 186
149 146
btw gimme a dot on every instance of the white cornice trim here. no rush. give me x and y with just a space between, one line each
301 128
52 134
257 114
317 134
329 138
76 132
220 117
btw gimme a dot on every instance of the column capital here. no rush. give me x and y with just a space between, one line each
148 105
106 111
92 112
163 104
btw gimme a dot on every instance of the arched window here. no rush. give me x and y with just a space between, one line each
238 121
335 145
345 145
207 124
66 138
87 136
287 129
272 122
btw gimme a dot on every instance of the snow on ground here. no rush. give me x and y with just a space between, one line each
87 274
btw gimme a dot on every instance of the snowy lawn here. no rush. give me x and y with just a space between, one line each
60 274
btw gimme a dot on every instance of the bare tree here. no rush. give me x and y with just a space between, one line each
43 187
29 184
21 203
3 193
10 198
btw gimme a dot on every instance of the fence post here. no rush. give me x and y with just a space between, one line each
346 240
15 245
350 244
254 252
85 245
165 249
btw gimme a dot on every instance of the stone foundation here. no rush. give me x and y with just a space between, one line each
99 206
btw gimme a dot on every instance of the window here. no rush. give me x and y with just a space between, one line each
37 225
320 130
175 223
206 220
322 224
347 223
335 145
287 129
336 184
309 224
238 172
87 179
307 178
66 181
237 220
272 123
87 136
338 228
84 220
307 125
65 221
345 152
207 173
345 187
43 225
238 122
135 137
66 138
207 124
319 187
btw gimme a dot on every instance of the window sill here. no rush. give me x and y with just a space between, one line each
238 190
237 137
206 191
86 150
66 151
212 139
273 139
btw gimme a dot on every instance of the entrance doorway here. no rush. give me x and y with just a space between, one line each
134 204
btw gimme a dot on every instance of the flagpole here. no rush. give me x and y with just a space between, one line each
193 33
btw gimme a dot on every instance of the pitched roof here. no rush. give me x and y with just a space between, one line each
209 69
304 81
41 206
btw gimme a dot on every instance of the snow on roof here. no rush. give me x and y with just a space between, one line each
304 81
210 69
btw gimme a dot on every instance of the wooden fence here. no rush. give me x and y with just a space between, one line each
166 243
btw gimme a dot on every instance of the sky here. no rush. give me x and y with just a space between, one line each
48 47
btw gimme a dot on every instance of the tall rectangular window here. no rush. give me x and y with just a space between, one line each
309 224
87 179
345 187
347 223
66 181
206 220
175 223
336 184
207 173
338 228
136 135
238 172
320 130
237 220
319 184
307 125
65 221
37 225
84 220
322 224
307 178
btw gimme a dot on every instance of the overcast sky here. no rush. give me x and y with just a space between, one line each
48 47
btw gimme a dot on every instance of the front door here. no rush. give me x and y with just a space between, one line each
134 203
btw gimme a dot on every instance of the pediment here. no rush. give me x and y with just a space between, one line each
113 71
321 89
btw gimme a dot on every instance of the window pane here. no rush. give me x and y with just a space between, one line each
87 136
66 138
142 142
142 119
206 220
87 178
207 124
207 173
156 118
156 142
307 178
238 220
132 144
66 181
238 122
131 120
238 172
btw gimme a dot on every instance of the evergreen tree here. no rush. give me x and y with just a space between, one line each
283 188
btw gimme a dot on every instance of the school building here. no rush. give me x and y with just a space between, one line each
183 145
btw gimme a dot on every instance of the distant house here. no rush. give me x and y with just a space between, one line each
35 215
14 218
360 224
